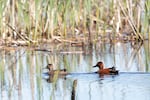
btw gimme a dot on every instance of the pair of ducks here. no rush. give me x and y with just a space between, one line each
100 65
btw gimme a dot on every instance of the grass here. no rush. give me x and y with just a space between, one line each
35 20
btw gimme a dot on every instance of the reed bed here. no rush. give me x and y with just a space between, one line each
81 20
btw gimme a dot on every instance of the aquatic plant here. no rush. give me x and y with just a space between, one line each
89 19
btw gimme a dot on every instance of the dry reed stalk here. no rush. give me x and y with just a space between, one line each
130 21
119 20
23 38
117 17
139 17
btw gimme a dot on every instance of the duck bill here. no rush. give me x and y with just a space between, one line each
95 66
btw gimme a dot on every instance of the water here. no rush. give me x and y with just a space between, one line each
22 79
124 86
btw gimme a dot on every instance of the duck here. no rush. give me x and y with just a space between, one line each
51 71
103 71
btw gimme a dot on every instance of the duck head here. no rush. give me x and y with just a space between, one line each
100 65
49 67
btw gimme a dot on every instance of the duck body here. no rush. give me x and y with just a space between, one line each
60 72
107 71
52 72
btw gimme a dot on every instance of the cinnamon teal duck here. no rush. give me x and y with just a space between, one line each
108 71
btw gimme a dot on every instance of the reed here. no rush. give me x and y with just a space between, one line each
146 19
37 19
147 55
2 74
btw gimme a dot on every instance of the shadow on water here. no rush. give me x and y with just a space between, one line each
21 71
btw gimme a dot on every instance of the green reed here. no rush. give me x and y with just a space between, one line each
46 19
146 46
146 19
0 17
2 74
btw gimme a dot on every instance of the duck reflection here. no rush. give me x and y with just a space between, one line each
53 78
52 75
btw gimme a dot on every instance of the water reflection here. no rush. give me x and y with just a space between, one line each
21 73
114 88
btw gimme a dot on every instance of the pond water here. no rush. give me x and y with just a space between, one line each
22 78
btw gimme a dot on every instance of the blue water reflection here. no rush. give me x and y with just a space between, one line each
22 79
122 87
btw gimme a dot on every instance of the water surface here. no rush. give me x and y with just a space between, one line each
22 79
